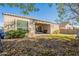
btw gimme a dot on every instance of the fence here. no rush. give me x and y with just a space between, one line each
69 31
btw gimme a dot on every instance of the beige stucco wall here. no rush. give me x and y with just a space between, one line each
9 19
54 27
31 24
31 28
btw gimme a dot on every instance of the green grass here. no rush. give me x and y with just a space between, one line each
62 36
58 36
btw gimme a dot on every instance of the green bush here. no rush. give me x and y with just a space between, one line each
56 32
19 33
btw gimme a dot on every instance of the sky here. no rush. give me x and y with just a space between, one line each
45 13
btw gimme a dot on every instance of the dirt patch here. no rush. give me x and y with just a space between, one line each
41 47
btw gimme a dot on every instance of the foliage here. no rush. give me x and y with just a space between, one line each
68 11
77 19
25 8
56 32
61 12
20 33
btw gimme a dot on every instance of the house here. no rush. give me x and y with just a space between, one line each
35 26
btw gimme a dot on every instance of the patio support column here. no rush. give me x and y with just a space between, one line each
51 29
31 28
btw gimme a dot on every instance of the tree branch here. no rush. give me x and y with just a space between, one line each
72 9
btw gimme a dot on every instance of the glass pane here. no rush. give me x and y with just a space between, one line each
22 24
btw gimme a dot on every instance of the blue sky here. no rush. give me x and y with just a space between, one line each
45 12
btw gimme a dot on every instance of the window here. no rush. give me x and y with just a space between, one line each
22 24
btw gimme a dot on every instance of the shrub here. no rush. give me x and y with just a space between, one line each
19 33
56 32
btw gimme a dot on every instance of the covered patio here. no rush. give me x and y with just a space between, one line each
42 28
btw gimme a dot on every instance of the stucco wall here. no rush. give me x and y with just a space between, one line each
31 28
31 24
9 19
54 27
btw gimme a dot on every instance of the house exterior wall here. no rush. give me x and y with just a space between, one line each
54 27
31 29
8 19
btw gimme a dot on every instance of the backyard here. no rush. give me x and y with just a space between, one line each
51 45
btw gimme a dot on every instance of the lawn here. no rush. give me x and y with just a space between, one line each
62 36
58 36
